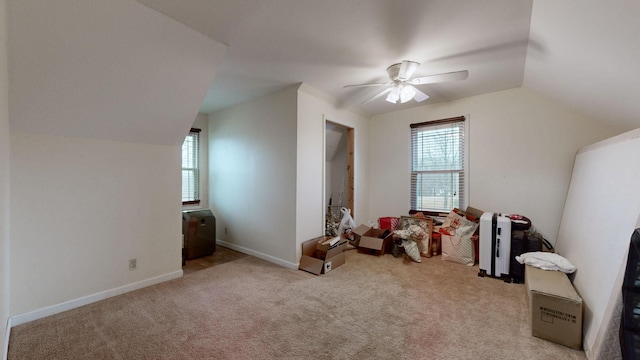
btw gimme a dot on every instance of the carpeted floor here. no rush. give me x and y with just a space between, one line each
369 308
220 256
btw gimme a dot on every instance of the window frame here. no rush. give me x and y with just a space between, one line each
195 132
463 187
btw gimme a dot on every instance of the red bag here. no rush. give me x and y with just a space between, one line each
388 223
519 222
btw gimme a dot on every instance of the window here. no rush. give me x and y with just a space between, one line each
190 170
438 165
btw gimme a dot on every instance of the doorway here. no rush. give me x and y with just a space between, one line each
339 173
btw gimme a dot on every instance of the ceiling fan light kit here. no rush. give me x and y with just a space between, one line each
394 95
404 93
400 87
407 93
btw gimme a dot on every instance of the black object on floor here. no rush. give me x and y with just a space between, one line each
522 241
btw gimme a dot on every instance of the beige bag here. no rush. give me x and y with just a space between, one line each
456 239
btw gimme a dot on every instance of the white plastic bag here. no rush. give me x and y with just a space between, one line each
411 249
347 223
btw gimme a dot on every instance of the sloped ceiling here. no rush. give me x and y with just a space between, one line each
120 69
591 57
109 69
331 43
581 53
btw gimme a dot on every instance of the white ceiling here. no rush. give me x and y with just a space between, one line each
331 43
107 69
591 60
118 69
580 52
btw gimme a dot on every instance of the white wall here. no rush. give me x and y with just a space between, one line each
202 122
81 208
4 182
266 171
522 148
314 108
252 176
336 169
601 212
336 164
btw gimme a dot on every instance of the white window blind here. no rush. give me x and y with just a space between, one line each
437 165
190 169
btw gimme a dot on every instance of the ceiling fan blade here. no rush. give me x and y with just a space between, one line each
380 94
431 79
363 85
419 96
407 68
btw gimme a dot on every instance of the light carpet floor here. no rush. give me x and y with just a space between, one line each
369 308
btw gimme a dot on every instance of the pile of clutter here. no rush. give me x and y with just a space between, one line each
453 235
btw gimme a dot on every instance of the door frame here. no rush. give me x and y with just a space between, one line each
350 168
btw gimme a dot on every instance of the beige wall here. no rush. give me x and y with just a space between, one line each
522 148
314 108
252 176
81 208
336 182
266 172
4 181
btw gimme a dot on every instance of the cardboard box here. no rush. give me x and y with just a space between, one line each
368 241
473 213
320 258
555 307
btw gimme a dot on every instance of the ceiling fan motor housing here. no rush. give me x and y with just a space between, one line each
393 71
402 71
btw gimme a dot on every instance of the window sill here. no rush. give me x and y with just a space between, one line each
428 213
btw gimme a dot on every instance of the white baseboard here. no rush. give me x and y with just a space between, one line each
258 254
85 300
5 348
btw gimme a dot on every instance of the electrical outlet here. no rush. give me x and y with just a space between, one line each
133 264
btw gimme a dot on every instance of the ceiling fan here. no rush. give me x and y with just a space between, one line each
400 87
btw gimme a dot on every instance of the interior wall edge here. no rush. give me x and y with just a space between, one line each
258 254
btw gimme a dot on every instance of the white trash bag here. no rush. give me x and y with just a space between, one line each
346 224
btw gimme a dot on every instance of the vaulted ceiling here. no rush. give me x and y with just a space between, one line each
140 70
329 44
106 69
582 53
